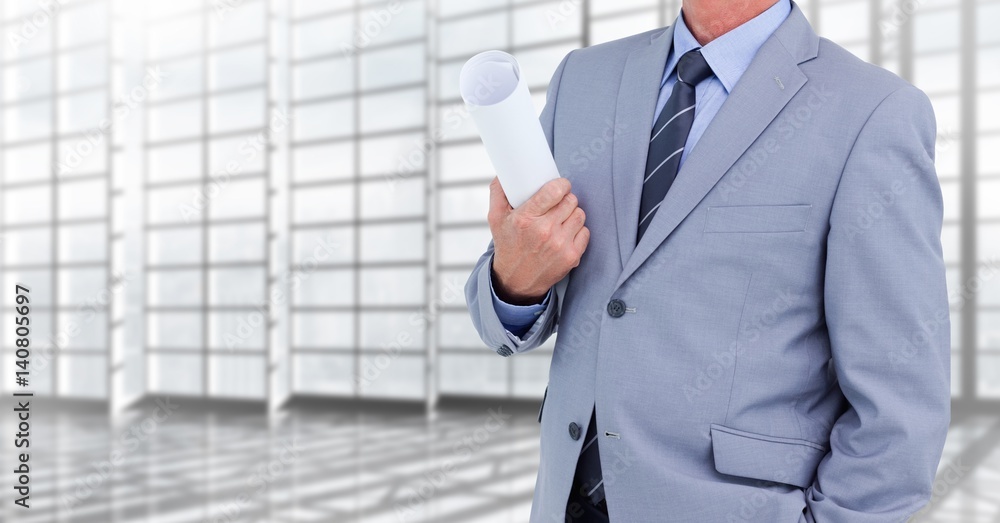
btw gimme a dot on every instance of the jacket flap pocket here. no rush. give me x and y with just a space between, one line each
757 218
781 460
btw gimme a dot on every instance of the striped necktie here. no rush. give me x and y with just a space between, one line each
669 136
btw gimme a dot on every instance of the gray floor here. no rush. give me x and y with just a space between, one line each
335 464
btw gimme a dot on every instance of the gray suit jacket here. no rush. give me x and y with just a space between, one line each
784 351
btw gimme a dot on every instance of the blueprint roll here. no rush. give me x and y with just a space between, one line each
497 97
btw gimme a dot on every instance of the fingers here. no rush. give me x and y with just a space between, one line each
499 206
564 208
581 239
547 197
574 222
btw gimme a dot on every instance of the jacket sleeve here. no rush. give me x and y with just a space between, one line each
887 314
478 290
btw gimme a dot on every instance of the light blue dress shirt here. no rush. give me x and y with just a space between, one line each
729 56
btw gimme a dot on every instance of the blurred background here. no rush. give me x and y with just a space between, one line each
246 225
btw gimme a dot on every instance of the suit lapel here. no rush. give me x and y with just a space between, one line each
637 97
754 103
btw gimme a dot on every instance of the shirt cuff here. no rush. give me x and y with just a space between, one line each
517 319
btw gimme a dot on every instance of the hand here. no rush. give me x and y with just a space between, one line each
537 244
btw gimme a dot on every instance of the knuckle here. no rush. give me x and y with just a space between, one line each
544 233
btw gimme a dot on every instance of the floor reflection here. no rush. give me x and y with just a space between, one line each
183 462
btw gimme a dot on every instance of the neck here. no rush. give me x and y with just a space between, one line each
710 19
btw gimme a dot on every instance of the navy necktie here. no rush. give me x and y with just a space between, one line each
669 136
666 146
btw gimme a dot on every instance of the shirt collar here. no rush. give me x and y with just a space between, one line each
729 55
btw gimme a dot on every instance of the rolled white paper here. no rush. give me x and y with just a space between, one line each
498 99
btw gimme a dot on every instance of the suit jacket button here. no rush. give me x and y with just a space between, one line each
616 308
574 431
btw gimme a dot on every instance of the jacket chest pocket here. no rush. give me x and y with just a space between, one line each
757 218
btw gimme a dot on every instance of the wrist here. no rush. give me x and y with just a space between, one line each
511 294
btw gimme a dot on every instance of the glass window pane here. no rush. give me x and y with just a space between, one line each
83 243
330 374
175 374
174 288
83 156
536 24
397 242
27 246
28 121
237 286
246 22
27 79
173 330
324 120
392 66
322 246
463 246
81 200
333 161
396 110
393 199
322 78
174 162
83 287
174 37
394 286
237 377
233 112
237 243
312 37
323 330
174 121
323 288
239 199
86 330
323 204
174 246
237 331
395 155
27 162
27 205
239 67
83 376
